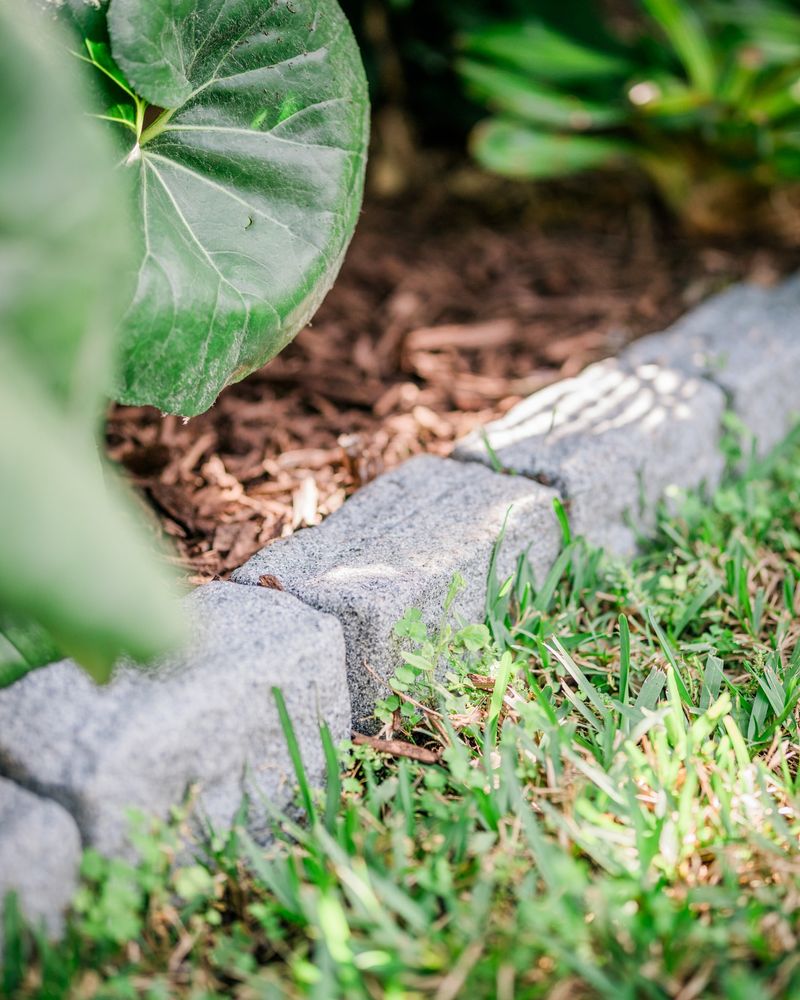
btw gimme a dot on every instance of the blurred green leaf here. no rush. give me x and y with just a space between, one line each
770 31
24 645
683 27
538 49
509 92
515 151
693 94
70 554
87 16
786 155
65 255
779 99
662 95
33 644
70 560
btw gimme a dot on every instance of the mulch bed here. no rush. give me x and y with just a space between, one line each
447 312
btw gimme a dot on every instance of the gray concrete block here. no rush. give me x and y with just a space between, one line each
747 340
613 439
396 545
205 716
40 853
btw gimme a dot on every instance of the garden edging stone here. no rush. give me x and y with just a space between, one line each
40 850
614 439
205 717
397 544
746 340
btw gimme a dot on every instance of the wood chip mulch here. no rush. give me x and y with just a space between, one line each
444 316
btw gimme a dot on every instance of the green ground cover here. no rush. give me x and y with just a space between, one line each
601 801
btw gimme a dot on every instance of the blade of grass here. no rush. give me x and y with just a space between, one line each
624 658
295 755
333 784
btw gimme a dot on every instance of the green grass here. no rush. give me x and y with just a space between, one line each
609 807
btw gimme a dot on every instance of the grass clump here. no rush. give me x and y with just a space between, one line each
593 793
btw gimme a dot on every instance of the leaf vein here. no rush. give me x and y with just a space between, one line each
234 197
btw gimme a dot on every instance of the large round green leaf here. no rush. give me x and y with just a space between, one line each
250 176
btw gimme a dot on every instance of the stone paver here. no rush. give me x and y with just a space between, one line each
747 340
205 716
396 545
40 851
613 439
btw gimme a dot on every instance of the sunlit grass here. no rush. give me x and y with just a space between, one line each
609 808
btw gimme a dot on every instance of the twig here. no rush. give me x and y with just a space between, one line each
398 748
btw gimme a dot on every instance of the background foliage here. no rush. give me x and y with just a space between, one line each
704 97
701 97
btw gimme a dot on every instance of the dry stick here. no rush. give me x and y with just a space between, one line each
398 748
481 682
454 981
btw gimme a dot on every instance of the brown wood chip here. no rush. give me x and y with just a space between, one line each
445 314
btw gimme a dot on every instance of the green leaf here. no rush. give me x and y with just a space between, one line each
505 669
248 181
91 44
70 561
12 667
663 95
474 637
511 92
406 676
28 643
193 882
88 17
296 756
99 54
66 270
773 29
516 151
69 556
624 658
651 689
684 29
545 53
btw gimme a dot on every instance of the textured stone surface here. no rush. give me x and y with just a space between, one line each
396 545
40 851
747 340
205 716
613 440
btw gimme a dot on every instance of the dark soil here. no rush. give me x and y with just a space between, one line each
446 313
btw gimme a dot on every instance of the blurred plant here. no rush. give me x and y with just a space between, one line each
704 97
75 574
407 50
407 47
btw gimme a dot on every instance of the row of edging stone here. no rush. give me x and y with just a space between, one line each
74 758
